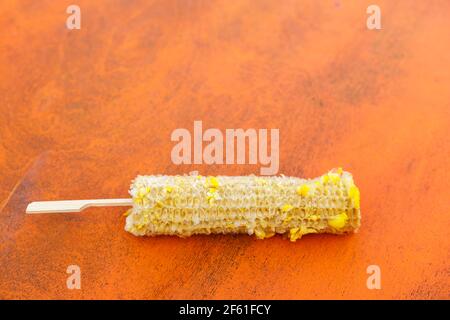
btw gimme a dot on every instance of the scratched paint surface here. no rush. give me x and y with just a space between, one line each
84 111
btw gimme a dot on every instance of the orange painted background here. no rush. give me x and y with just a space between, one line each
84 111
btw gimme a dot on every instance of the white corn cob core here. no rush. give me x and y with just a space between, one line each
264 206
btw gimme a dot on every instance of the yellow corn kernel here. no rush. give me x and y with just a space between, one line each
212 190
263 224
168 189
303 190
353 193
334 177
127 213
339 221
143 191
340 171
261 181
213 182
260 234
294 234
269 234
288 219
297 233
286 208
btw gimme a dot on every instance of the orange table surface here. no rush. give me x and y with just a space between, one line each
84 111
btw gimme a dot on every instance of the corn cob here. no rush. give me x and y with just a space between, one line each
263 206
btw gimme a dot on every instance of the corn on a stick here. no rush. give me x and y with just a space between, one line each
263 206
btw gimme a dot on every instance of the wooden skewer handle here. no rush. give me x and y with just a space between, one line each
74 205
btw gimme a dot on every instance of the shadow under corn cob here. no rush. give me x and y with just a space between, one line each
187 205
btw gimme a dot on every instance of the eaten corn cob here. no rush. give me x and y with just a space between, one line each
263 206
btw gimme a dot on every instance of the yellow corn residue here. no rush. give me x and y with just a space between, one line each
288 219
325 178
143 191
168 189
261 234
263 223
353 193
141 195
294 234
212 190
334 177
297 233
269 234
211 196
157 215
303 190
340 171
140 226
339 221
286 208
261 181
314 217
127 213
212 182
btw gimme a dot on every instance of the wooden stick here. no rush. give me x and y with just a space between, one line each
74 205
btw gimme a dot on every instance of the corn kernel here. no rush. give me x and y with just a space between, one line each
286 208
294 234
353 193
339 221
334 177
143 191
127 213
303 190
213 182
260 234
212 190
